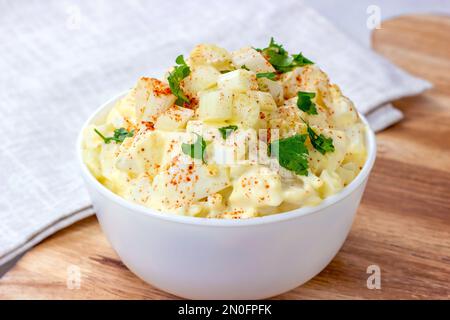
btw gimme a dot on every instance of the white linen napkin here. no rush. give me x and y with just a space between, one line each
60 60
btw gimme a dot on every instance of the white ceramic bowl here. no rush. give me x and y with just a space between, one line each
201 258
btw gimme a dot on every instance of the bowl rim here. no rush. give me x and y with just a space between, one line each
201 221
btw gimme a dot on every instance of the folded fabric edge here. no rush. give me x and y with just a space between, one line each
417 87
384 116
44 233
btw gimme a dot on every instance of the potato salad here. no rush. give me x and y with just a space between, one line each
230 135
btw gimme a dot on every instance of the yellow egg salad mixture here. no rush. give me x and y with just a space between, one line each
229 135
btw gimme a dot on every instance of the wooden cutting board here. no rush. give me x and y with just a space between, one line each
402 226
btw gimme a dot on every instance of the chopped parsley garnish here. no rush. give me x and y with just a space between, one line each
118 137
291 153
225 71
304 102
280 58
175 77
268 75
319 142
301 60
195 150
245 67
226 131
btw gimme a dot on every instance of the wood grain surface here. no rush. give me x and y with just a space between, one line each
402 226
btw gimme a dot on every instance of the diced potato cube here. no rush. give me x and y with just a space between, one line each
201 78
238 80
344 112
245 109
174 118
347 172
233 150
116 119
127 107
274 88
116 182
252 59
215 105
172 147
124 112
264 99
356 151
139 189
210 54
330 160
222 153
153 97
301 196
332 183
259 187
208 130
142 154
308 78
107 158
194 181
